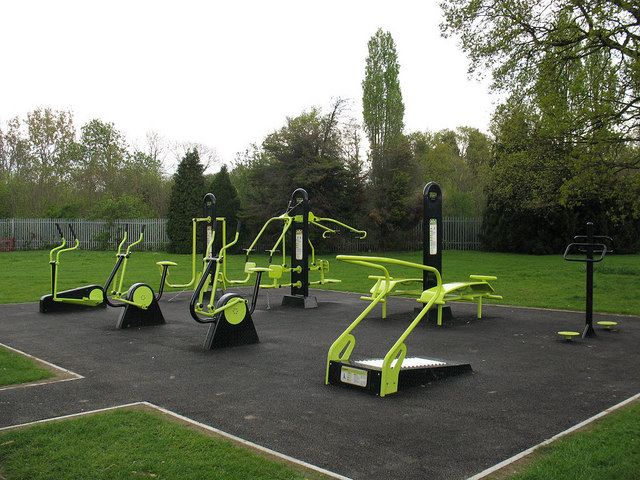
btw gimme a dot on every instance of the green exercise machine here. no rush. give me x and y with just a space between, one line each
384 376
295 223
139 303
76 298
588 249
476 289
229 317
197 223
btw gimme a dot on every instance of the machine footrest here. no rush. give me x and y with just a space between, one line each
367 374
607 325
75 299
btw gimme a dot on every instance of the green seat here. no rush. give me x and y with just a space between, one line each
166 263
275 271
607 325
569 335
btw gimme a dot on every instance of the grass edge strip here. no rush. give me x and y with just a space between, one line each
528 451
62 374
182 418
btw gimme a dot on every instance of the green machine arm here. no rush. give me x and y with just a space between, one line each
317 221
343 346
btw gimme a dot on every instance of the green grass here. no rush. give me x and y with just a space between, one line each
131 444
606 450
525 280
16 368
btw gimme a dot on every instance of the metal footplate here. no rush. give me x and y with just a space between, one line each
367 374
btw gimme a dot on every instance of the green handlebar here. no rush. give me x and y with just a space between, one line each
374 261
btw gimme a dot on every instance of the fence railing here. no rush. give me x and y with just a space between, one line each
40 233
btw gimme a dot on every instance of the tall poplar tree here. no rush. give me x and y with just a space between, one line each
382 107
393 172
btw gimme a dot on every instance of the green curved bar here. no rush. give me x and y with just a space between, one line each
343 346
362 233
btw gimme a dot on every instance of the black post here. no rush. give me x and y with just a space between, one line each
431 232
588 328
432 241
299 210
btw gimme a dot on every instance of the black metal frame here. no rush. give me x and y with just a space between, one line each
585 244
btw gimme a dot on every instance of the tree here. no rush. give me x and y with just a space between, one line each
227 201
460 162
185 202
520 41
382 107
314 150
393 172
104 154
571 72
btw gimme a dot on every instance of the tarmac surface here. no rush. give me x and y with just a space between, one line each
527 385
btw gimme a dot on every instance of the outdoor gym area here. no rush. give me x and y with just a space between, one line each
417 372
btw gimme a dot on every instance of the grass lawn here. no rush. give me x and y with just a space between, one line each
16 368
608 449
130 444
526 280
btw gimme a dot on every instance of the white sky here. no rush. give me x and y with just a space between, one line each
225 74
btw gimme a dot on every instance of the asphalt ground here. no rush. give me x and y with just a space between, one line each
527 385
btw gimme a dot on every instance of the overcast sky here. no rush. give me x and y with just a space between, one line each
225 74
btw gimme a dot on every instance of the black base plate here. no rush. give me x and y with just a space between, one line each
133 316
298 301
47 304
222 334
409 377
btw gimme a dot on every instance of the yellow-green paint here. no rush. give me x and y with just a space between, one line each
342 347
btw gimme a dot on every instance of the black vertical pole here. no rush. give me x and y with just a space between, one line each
588 328
431 232
299 210
300 242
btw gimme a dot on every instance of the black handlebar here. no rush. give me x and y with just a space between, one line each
59 230
590 249
142 230
75 237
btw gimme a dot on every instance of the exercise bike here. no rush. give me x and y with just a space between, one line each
141 307
76 298
229 319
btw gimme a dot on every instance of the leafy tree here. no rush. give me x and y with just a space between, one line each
104 153
123 207
571 71
315 151
591 46
142 177
35 159
185 202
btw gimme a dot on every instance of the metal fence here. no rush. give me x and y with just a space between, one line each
460 233
40 233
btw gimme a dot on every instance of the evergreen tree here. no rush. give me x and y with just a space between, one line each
227 201
185 202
